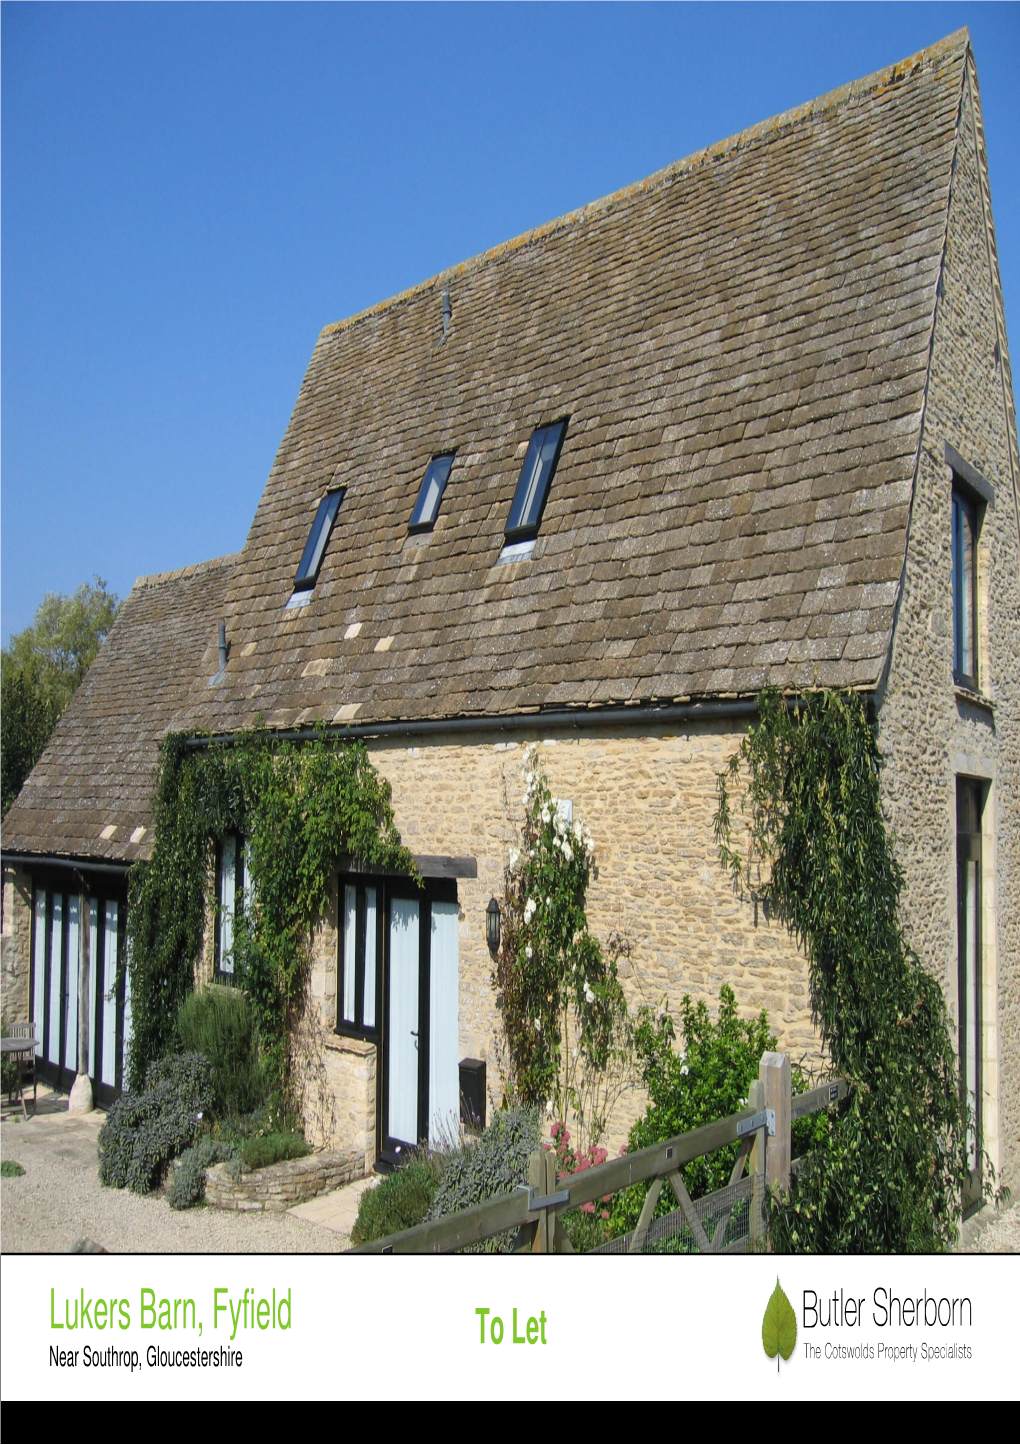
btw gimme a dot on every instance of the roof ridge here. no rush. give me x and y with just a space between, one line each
153 579
764 129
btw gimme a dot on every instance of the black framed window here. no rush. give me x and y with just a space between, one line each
232 892
361 923
430 493
966 520
969 808
315 547
533 484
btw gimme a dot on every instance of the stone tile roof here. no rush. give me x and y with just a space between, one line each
741 346
90 794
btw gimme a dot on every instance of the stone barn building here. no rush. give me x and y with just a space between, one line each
747 422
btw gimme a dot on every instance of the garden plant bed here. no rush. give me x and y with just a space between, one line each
281 1186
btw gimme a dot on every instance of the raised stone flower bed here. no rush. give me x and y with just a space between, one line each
281 1186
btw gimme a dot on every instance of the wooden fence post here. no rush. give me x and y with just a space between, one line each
537 1174
756 1170
774 1073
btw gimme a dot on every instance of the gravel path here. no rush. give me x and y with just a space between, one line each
60 1200
992 1232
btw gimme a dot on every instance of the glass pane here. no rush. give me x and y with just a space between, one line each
228 885
95 984
402 1078
964 588
39 969
536 475
350 939
56 1010
444 1027
311 557
71 1032
431 491
108 1070
370 941
971 1043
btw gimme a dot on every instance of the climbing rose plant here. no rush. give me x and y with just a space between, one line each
566 1032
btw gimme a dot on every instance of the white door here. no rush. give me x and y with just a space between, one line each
444 1026
402 1023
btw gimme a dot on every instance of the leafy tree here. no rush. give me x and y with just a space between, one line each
42 668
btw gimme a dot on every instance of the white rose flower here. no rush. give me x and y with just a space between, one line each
529 910
527 951
589 996
568 852
684 1069
538 1026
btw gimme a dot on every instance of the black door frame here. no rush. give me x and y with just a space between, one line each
51 883
389 1149
971 795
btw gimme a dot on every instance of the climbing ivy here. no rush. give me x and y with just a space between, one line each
299 807
891 1173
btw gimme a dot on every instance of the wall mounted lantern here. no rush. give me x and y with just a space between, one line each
492 925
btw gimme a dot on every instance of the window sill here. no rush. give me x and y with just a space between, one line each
976 699
349 1044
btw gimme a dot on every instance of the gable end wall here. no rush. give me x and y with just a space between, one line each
930 731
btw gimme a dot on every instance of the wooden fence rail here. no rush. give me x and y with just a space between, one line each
762 1129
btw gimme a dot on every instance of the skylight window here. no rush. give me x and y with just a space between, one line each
430 494
311 557
533 486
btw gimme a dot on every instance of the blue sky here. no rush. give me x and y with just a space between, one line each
192 191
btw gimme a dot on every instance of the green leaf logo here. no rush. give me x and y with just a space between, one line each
779 1327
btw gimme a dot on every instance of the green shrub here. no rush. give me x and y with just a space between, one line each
217 1022
145 1131
11 1170
187 1181
400 1201
708 1080
265 1149
496 1163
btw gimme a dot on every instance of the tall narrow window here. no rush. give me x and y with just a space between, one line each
968 914
430 494
533 484
360 949
232 893
311 557
965 528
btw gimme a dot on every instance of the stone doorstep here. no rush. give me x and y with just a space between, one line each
280 1186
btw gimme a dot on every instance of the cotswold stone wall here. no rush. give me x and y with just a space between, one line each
649 802
930 731
281 1186
16 947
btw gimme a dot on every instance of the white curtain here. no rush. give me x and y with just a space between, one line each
350 920
39 968
56 1013
370 925
95 985
444 1026
71 1035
